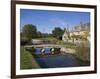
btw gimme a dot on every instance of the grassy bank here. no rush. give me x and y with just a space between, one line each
26 60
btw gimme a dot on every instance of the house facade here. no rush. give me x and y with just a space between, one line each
79 33
66 35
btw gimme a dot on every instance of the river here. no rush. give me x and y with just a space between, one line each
67 60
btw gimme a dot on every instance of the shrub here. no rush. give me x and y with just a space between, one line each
24 40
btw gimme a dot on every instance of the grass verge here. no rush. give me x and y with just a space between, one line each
27 61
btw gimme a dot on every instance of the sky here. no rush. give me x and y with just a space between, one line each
47 20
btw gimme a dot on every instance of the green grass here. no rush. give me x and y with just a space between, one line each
67 45
27 61
49 39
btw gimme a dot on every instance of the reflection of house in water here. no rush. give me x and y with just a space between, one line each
78 33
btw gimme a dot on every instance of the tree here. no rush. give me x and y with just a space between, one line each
39 34
29 31
57 32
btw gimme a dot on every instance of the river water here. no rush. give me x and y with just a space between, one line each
56 61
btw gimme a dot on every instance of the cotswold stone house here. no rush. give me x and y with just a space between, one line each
66 35
78 33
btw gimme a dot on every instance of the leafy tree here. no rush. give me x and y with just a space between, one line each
29 31
57 32
39 34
